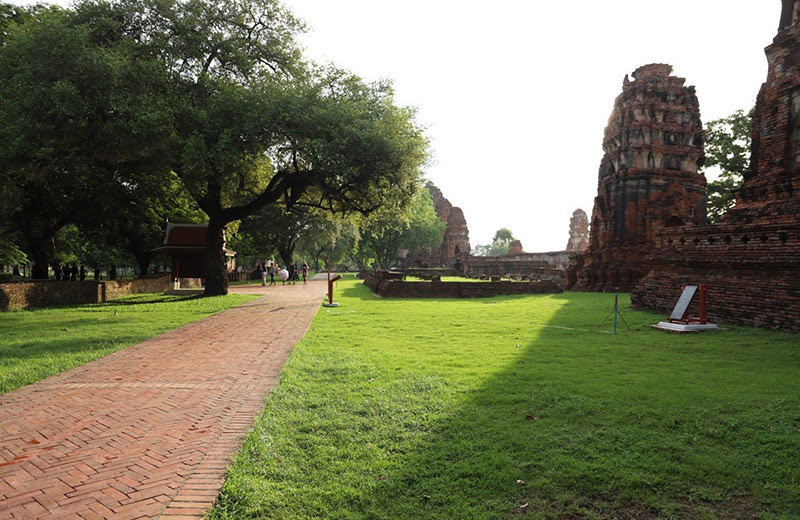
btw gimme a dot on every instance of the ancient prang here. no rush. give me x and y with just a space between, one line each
455 242
750 261
515 248
648 177
578 231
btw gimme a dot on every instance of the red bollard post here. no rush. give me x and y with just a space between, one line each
703 315
331 303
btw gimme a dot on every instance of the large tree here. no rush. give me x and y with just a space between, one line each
77 121
254 126
727 147
111 95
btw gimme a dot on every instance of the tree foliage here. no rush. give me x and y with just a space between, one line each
727 148
106 103
415 227
77 124
499 246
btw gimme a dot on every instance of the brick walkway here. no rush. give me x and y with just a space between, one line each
149 431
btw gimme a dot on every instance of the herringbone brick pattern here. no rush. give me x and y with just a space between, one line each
148 431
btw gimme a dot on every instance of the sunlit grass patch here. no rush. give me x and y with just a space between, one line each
522 405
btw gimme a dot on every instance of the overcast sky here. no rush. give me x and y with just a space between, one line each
515 94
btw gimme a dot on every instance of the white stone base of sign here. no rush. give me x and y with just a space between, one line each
684 327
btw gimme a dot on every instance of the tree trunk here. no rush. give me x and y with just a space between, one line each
143 259
216 263
316 258
286 252
40 254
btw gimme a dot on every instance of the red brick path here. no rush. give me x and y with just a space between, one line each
149 431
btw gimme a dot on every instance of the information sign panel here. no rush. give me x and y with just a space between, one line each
682 307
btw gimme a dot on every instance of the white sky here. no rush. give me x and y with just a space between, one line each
515 94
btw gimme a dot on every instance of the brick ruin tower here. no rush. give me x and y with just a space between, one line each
750 261
455 242
578 231
648 177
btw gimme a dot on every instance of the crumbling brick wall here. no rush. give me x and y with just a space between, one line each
51 293
751 260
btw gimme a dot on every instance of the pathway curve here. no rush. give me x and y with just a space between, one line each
148 432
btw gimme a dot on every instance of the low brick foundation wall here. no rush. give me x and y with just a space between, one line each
51 293
533 266
752 273
400 289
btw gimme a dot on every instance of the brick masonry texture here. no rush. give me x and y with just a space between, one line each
648 177
533 266
148 432
751 260
50 293
455 237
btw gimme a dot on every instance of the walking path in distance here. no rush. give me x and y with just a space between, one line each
150 430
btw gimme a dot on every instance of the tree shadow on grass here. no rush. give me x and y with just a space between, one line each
156 298
481 409
582 424
577 423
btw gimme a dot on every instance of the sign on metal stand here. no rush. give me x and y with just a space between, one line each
680 321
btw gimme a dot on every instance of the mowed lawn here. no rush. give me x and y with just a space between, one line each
518 407
35 344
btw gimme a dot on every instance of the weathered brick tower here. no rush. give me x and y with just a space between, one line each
455 240
649 177
578 231
751 260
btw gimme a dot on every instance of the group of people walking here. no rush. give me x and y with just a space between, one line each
71 272
289 274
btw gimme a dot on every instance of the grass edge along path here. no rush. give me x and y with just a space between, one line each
473 409
38 343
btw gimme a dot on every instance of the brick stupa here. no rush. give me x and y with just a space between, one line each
648 177
751 260
578 231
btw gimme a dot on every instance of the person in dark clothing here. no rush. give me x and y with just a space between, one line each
73 272
57 273
65 272
112 273
272 270
82 272
97 273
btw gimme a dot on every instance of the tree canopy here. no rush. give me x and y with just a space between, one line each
107 103
416 228
727 148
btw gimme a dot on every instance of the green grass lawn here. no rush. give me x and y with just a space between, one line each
35 344
518 406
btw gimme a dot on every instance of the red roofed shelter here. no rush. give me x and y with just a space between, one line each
187 246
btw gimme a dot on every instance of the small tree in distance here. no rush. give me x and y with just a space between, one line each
499 246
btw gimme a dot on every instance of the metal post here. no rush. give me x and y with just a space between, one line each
703 316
